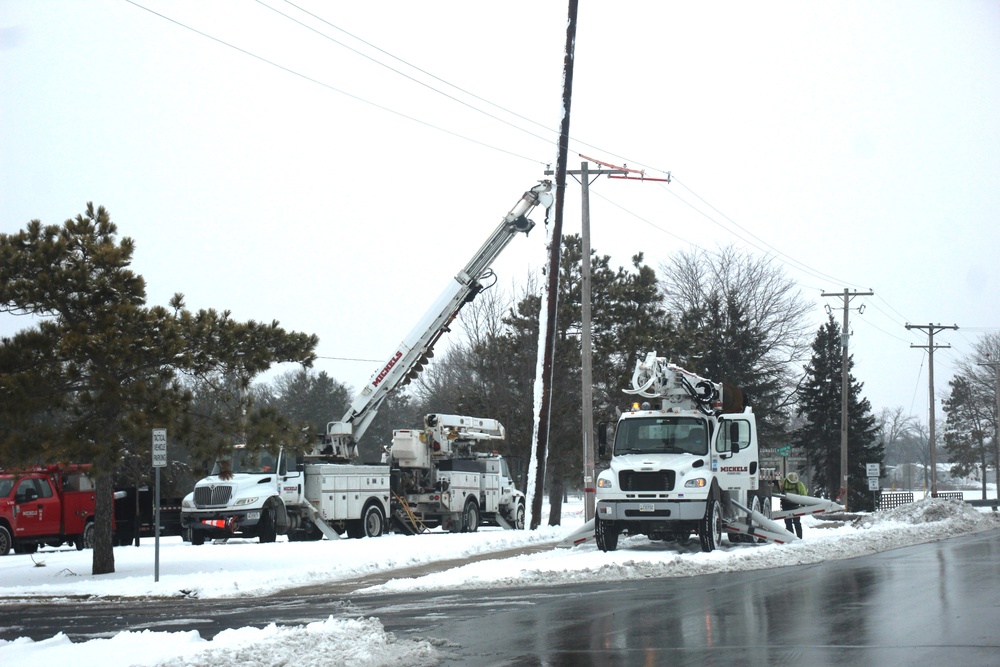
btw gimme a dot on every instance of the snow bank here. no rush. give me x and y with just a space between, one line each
358 642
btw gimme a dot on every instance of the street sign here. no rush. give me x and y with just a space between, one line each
159 447
873 469
873 483
784 451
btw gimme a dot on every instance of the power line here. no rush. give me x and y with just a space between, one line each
334 88
403 74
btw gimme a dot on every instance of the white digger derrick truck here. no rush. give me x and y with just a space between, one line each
439 480
687 466
262 494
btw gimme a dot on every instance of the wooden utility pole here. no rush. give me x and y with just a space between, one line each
845 387
930 347
586 366
544 415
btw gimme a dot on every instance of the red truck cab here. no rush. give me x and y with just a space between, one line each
49 505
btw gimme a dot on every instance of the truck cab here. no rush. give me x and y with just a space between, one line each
676 469
46 505
244 496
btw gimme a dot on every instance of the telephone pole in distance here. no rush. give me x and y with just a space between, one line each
930 347
844 386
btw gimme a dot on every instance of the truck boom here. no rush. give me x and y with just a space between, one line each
340 441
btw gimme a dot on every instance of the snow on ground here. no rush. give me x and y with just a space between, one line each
245 568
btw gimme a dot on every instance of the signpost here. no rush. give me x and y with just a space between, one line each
159 461
873 470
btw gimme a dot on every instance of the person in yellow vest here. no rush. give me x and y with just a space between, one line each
792 484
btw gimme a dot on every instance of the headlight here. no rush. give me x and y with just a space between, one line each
187 502
246 501
695 483
605 483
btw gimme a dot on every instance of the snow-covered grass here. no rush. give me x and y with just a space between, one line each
241 568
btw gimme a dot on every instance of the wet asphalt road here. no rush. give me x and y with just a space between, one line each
931 604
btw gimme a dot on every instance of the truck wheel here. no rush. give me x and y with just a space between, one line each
86 540
265 527
762 504
373 521
519 517
710 530
470 517
5 541
606 534
26 548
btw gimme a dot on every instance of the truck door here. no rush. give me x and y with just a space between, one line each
735 455
37 508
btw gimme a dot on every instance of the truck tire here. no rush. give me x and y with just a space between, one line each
764 507
519 517
606 534
86 540
710 530
5 541
266 529
470 517
371 523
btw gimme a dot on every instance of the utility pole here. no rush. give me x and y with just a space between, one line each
586 367
547 339
845 385
996 419
930 347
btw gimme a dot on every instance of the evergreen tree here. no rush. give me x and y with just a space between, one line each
741 321
970 432
99 370
820 406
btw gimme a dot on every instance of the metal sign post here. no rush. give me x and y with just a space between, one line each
159 461
873 476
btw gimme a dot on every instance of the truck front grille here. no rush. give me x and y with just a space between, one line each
212 496
659 480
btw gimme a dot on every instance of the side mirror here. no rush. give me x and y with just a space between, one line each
602 441
734 437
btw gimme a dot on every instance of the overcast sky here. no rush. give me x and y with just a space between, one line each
270 162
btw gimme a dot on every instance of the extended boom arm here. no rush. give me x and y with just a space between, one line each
411 354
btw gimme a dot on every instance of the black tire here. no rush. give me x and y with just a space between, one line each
6 541
765 509
606 534
266 530
519 517
710 530
86 540
470 517
372 521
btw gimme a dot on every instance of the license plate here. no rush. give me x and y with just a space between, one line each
253 515
645 507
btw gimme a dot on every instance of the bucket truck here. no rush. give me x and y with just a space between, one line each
263 494
688 465
438 480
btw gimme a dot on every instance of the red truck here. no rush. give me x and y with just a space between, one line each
49 505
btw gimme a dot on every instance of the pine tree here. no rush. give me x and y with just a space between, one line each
100 369
820 406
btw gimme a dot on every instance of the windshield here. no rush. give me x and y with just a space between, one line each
662 435
5 486
246 461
